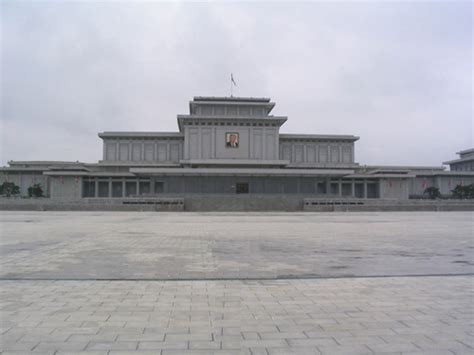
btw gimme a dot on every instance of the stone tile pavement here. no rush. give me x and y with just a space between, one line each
388 315
148 245
242 283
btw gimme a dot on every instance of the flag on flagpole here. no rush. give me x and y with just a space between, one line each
232 79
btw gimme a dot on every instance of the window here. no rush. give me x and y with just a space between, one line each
359 190
242 187
144 187
103 189
130 188
117 189
159 187
372 190
322 188
88 188
346 189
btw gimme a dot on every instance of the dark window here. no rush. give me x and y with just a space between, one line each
103 189
144 187
346 189
159 187
322 188
117 189
372 190
88 188
307 186
334 188
242 187
130 188
359 190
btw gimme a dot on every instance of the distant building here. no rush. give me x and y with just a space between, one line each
229 145
464 163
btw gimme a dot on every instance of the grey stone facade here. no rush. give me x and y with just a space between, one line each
464 163
230 145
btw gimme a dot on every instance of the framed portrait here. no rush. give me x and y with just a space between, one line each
232 140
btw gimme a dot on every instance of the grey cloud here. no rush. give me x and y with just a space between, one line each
398 74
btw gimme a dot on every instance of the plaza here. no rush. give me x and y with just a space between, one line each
241 283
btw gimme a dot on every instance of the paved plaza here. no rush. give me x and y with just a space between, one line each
215 283
150 245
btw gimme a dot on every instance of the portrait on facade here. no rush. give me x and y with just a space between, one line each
232 140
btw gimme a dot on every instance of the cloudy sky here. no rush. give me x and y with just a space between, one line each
398 74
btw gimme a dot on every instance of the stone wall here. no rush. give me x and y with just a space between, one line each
144 149
317 152
236 203
26 179
105 204
210 142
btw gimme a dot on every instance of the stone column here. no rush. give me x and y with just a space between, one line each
96 187
365 188
123 188
110 187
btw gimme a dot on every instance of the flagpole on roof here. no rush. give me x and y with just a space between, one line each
232 83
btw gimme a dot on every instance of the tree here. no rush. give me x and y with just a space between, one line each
463 192
9 188
432 192
35 190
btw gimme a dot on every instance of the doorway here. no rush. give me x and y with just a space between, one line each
242 187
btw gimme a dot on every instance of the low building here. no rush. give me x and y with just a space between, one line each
228 145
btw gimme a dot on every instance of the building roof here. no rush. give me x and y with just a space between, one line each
43 162
393 168
318 136
231 98
234 162
131 134
466 151
241 171
460 160
234 120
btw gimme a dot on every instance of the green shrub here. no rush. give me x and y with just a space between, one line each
35 190
432 192
463 192
9 188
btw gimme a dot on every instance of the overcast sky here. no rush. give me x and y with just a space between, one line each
397 74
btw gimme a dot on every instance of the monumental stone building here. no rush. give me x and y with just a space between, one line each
464 163
231 145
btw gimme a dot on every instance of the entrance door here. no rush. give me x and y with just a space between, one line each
242 187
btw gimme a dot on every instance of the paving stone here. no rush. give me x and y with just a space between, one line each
416 314
148 345
203 245
69 346
113 345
